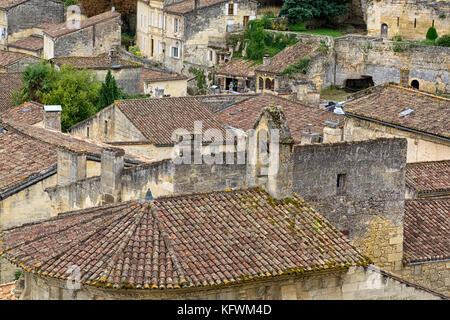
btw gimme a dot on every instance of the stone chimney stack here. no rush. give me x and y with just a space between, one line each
111 175
404 78
71 166
52 117
196 4
308 137
114 58
266 60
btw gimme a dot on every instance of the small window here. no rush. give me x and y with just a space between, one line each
106 127
87 132
231 9
398 21
210 55
341 182
432 24
175 52
415 22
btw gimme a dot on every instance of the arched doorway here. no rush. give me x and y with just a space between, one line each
269 84
384 30
415 84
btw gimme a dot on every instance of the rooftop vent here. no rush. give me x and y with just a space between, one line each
236 112
406 112
26 109
332 124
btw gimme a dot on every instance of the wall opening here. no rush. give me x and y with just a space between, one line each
415 84
340 183
415 22
361 83
384 30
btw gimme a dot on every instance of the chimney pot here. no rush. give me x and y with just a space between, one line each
266 60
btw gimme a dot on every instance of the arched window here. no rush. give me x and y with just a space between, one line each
415 84
384 30
263 151
261 83
269 84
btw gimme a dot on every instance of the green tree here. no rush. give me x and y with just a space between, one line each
109 92
37 80
301 10
256 34
77 91
432 34
443 41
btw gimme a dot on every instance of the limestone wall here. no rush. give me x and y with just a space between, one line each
128 79
410 19
348 284
174 88
360 188
22 64
433 275
420 147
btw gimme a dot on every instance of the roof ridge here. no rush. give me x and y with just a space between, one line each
419 92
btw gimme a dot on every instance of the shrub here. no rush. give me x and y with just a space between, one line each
127 40
397 38
443 41
400 48
432 34
135 50
299 66
323 47
17 275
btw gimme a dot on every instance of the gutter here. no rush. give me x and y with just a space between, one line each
428 261
397 126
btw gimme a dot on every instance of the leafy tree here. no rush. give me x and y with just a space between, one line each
443 41
301 10
95 7
256 35
109 92
37 80
432 34
77 91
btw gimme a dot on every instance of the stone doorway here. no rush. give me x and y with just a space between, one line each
415 84
384 30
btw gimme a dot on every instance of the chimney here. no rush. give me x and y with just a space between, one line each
112 164
71 166
266 60
332 133
308 137
196 4
52 117
114 58
404 77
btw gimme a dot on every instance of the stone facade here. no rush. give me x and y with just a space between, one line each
20 65
198 36
18 21
349 284
407 18
368 208
433 275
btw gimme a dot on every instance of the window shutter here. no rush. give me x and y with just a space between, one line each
173 25
153 19
226 9
164 23
235 9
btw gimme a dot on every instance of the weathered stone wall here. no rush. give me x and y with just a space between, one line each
7 271
348 284
128 79
433 275
91 41
369 205
174 88
408 18
420 147
32 13
20 65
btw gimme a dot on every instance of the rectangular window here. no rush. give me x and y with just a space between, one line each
175 52
164 23
87 132
415 22
210 55
341 182
176 26
230 9
153 19
106 127
160 22
398 21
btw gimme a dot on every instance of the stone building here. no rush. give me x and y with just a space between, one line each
94 36
9 82
19 17
241 236
237 75
32 45
15 61
190 33
394 111
408 19
158 83
147 126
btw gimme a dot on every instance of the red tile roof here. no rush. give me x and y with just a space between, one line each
27 113
193 240
187 6
100 62
150 75
31 43
429 177
61 29
243 115
158 119
385 103
9 82
288 56
238 68
9 57
426 230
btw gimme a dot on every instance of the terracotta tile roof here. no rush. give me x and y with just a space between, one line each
385 103
238 68
150 75
426 230
9 82
22 158
187 6
288 56
61 29
429 177
193 240
158 119
100 62
8 57
31 43
5 4
6 291
243 115
27 113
